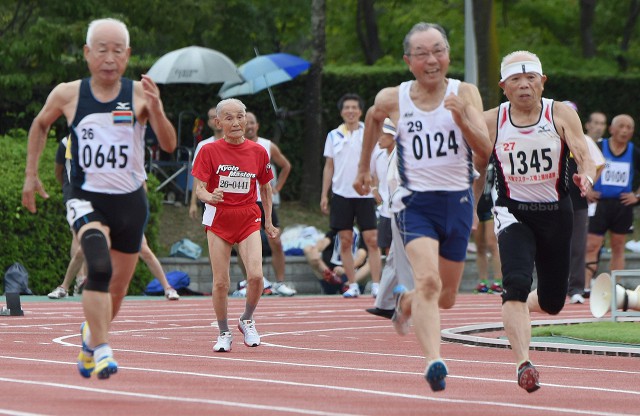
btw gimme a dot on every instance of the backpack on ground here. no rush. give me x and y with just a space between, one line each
177 279
16 280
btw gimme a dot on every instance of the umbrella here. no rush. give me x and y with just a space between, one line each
194 64
263 72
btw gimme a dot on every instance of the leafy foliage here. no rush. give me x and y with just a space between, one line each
41 241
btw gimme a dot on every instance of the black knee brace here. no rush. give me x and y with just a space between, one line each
98 260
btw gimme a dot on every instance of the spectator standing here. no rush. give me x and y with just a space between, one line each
615 197
485 238
596 125
342 151
580 217
194 212
275 156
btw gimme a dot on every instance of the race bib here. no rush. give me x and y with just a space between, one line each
235 184
615 174
77 208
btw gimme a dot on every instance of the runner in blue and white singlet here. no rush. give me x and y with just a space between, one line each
432 153
107 145
436 172
441 134
107 115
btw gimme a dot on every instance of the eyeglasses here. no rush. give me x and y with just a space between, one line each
438 52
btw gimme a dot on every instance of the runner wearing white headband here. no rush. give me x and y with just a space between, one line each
521 66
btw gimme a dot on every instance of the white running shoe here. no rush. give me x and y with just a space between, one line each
248 329
400 321
171 294
352 292
58 293
577 298
79 285
283 290
374 289
224 342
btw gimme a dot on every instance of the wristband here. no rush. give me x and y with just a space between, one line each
590 179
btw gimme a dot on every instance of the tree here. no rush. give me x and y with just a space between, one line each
484 24
629 27
587 16
367 28
312 176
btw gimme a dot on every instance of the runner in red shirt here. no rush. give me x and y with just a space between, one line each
226 173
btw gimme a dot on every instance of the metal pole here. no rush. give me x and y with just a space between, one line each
470 58
273 100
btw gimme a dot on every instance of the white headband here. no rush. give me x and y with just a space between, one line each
520 67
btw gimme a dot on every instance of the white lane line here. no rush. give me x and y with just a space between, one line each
235 404
504 404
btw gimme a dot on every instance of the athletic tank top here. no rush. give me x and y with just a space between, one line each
275 198
107 143
617 176
432 153
530 161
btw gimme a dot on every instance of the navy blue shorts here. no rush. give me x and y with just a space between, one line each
442 215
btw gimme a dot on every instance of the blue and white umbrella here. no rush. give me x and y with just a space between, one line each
263 72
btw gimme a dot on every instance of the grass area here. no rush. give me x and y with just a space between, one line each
617 332
293 213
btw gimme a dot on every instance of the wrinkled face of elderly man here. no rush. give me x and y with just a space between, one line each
522 79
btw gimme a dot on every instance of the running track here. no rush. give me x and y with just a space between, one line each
320 355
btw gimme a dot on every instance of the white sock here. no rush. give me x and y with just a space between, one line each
102 351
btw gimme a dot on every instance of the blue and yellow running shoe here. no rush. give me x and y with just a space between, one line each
86 363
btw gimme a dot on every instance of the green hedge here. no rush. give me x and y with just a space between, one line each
183 102
612 95
41 241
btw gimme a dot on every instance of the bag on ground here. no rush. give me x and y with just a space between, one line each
186 248
176 278
16 280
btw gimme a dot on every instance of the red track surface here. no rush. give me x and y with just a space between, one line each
319 356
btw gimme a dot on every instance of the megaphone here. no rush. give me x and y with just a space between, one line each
600 300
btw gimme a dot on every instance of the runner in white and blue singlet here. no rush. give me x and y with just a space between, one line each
441 133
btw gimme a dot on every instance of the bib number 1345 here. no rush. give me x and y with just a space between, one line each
536 159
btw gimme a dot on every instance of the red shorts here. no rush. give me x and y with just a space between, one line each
235 224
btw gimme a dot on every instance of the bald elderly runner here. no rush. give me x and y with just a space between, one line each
533 213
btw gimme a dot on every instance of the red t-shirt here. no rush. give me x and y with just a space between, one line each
235 168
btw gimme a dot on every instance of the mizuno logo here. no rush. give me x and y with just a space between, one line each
123 106
258 220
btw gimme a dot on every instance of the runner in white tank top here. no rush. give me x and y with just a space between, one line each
109 207
432 153
441 131
533 213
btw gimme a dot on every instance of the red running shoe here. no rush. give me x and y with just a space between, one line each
331 277
528 377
